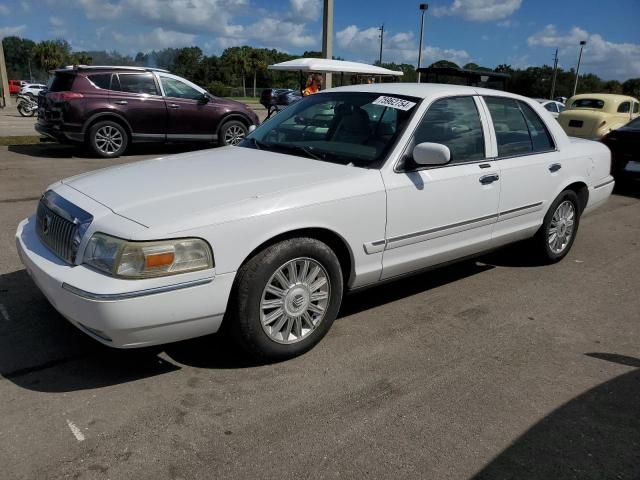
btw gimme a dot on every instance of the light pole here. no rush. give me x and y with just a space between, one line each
381 40
327 36
423 8
575 85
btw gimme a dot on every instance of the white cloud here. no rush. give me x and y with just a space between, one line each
607 59
56 21
306 9
398 47
4 10
101 9
277 31
25 6
479 10
9 31
156 39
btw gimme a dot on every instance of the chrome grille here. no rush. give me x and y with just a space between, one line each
61 225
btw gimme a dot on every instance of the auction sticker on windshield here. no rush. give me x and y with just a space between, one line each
394 102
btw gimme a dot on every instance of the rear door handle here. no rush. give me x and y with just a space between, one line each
174 105
121 102
554 167
488 179
485 165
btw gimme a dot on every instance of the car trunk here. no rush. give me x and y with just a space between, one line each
50 108
581 122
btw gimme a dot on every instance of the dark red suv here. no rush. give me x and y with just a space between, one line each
107 108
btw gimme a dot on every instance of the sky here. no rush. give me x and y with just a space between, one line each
487 32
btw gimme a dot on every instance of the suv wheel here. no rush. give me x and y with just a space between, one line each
285 299
232 133
108 139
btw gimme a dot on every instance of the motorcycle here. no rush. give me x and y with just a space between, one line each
27 106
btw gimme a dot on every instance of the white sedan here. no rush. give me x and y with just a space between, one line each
552 106
343 190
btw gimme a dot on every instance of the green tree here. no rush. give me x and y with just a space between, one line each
631 87
50 54
188 64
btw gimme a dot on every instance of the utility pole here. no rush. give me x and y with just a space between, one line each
555 74
381 40
575 85
327 36
423 8
4 81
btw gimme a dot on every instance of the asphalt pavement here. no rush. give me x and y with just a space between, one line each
495 368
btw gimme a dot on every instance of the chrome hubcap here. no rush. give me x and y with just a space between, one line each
295 300
109 139
561 228
234 135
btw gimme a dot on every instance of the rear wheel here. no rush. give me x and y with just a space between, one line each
24 110
285 299
558 232
108 139
232 133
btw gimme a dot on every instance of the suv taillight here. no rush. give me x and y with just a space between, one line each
64 96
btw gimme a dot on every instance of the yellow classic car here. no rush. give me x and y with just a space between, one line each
593 115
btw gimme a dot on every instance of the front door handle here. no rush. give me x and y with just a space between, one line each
121 102
488 179
174 105
554 167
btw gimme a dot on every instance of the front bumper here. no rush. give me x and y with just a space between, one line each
125 313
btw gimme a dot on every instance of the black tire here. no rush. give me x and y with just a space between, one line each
232 133
24 111
243 317
107 128
541 240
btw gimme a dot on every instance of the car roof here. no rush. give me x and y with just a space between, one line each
426 90
612 97
76 68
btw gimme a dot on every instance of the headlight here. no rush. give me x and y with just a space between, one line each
121 258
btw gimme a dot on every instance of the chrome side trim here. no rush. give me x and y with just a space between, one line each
137 293
417 237
608 182
516 212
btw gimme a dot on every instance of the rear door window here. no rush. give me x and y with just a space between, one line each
552 107
510 125
540 137
140 83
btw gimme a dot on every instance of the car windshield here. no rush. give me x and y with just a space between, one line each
588 103
352 128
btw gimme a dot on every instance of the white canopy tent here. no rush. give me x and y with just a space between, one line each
324 65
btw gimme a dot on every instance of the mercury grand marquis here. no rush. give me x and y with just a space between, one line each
343 190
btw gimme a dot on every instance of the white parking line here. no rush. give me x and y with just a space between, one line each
4 312
76 431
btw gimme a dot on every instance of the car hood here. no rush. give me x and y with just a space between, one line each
163 191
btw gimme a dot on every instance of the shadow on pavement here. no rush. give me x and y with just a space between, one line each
628 187
41 351
594 436
56 150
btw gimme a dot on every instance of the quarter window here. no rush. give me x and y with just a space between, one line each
636 107
624 107
454 122
101 80
177 89
142 83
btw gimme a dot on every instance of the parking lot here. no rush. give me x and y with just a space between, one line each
491 368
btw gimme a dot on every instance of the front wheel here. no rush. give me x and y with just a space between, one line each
285 299
559 228
232 133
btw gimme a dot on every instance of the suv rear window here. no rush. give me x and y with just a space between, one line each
61 82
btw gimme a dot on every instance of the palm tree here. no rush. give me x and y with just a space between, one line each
49 54
258 62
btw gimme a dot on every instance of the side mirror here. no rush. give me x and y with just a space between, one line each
431 154
204 98
252 128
